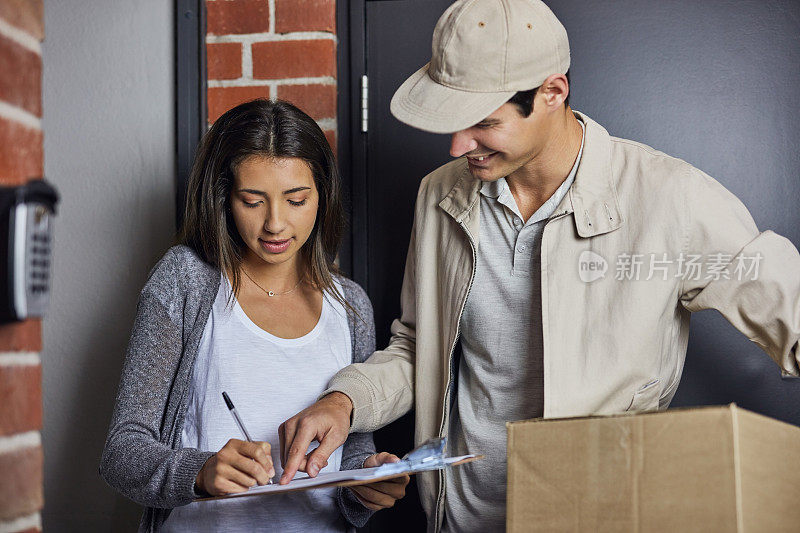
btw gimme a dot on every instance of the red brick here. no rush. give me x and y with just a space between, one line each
21 159
25 336
331 136
318 101
224 61
27 15
20 398
21 489
294 59
21 82
305 15
221 99
224 17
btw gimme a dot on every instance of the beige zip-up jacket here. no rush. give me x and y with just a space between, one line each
611 344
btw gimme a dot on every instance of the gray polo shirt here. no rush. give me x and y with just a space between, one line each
500 372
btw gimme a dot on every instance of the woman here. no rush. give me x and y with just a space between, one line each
250 303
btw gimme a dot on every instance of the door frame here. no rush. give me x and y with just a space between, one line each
191 111
351 59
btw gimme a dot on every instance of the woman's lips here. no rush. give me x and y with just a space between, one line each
275 247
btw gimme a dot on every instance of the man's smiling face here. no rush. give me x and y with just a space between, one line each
502 143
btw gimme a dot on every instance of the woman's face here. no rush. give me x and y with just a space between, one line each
274 204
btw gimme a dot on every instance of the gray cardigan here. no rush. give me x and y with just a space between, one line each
143 457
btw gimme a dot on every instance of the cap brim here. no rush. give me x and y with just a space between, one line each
430 106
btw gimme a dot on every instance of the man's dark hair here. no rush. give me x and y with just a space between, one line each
524 99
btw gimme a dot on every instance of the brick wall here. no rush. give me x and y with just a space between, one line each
21 159
274 49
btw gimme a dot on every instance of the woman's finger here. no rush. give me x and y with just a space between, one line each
226 486
259 451
380 458
369 505
251 468
402 480
257 460
226 478
391 487
373 496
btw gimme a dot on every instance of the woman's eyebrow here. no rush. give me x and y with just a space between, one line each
297 189
253 191
262 193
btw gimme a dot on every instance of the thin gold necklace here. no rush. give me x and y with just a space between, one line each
271 293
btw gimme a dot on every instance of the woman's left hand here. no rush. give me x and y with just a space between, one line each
381 494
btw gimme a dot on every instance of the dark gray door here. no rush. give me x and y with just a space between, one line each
398 42
398 156
714 83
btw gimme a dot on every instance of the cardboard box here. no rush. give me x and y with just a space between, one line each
705 469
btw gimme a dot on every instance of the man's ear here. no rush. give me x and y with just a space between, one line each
554 90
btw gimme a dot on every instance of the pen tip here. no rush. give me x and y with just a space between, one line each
227 399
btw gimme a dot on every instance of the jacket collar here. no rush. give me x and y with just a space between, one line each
462 202
592 199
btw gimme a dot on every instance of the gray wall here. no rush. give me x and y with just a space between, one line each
109 148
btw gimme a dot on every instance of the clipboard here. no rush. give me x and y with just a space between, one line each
428 456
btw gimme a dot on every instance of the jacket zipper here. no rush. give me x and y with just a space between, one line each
541 269
556 217
450 359
446 405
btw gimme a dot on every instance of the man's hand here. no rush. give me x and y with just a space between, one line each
327 421
235 468
381 494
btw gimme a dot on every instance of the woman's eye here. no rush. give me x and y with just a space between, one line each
250 204
301 202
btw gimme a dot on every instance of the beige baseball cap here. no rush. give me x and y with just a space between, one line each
484 51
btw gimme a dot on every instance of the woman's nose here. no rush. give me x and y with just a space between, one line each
275 222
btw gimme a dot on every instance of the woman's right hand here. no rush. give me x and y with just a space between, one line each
236 467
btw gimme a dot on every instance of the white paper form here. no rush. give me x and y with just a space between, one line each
361 476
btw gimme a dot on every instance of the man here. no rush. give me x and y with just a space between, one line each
552 268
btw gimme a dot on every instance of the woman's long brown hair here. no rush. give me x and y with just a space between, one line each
268 129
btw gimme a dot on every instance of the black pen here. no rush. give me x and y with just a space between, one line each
238 420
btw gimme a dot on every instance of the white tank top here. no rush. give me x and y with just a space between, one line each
269 379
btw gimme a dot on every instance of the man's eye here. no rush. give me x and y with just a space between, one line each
301 202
